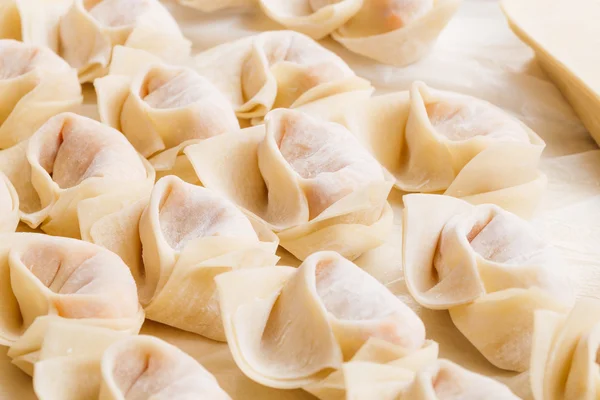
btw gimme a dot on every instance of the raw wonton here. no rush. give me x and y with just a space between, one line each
384 372
564 360
9 206
45 278
81 362
486 266
35 84
279 69
310 180
161 108
291 327
442 142
70 169
84 32
189 235
214 5
396 32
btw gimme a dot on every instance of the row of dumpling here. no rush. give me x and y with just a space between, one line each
396 32
70 308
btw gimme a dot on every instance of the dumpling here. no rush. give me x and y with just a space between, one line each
292 326
564 359
9 206
488 267
212 5
84 32
35 84
310 180
396 32
45 278
161 108
279 69
189 235
384 372
81 362
69 163
441 142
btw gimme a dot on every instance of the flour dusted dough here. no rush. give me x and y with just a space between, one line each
290 327
441 142
9 205
275 69
486 266
310 180
47 278
67 167
189 235
84 32
35 84
564 360
161 108
396 32
81 362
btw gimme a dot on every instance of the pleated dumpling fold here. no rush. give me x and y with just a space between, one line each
292 326
82 362
84 32
189 235
384 371
564 360
70 173
161 108
488 267
46 278
35 84
441 142
9 206
395 32
277 69
309 179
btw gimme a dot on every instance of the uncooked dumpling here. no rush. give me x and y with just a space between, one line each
70 161
189 235
161 108
310 180
215 5
79 362
275 69
35 84
46 278
9 206
292 326
564 360
396 32
443 142
84 32
488 267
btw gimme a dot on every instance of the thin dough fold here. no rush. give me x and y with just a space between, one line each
292 327
9 206
86 363
441 142
308 179
35 84
488 267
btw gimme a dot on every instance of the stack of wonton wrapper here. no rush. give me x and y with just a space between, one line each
476 55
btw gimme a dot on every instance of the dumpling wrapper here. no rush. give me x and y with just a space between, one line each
278 69
308 179
9 206
212 5
85 363
46 278
161 108
84 32
35 84
190 235
564 359
292 327
488 267
441 142
67 166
